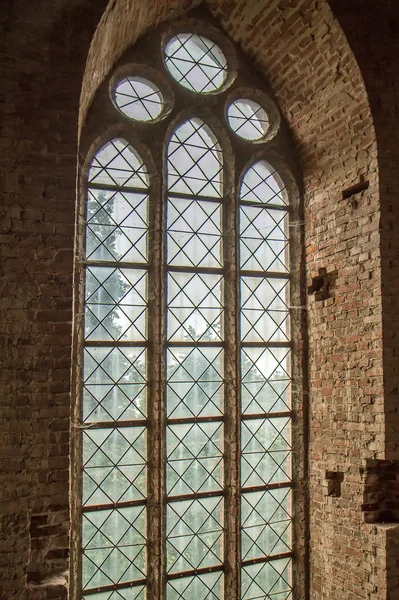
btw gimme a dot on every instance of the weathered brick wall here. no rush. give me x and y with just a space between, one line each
381 76
300 47
42 62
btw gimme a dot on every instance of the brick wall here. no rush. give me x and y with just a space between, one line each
42 63
301 49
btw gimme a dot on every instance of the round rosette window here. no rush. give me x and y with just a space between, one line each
139 99
196 62
248 119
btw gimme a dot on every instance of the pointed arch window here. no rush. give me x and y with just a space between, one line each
183 392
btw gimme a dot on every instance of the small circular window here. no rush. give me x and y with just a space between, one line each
196 62
248 119
139 99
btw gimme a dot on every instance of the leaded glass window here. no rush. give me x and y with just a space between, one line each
185 380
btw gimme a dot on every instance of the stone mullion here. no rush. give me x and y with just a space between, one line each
232 402
156 412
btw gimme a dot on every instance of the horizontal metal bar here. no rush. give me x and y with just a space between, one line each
268 415
266 344
264 559
282 207
113 505
188 420
195 572
266 487
115 264
115 343
114 587
118 188
195 496
264 274
189 197
193 344
113 424
193 270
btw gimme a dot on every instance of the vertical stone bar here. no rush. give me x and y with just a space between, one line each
156 412
232 400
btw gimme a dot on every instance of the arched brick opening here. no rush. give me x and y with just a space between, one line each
302 51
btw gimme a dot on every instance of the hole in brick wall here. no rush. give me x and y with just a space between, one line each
381 491
352 193
334 481
322 284
49 545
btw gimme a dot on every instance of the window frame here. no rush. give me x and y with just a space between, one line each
235 167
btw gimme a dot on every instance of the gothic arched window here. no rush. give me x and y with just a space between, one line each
183 340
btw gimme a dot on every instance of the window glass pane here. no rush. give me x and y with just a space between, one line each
195 455
114 384
194 534
196 62
261 183
117 226
118 164
138 98
116 304
114 463
272 579
264 309
195 382
263 239
195 307
266 523
113 546
248 119
194 233
266 451
208 586
195 161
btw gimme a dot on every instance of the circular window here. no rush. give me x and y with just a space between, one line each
196 62
248 119
139 99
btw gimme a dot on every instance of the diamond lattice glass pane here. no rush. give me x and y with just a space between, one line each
264 309
194 534
195 161
118 163
117 226
208 586
114 384
115 304
265 380
114 462
263 239
195 458
196 62
194 307
194 233
267 580
138 99
136 592
113 546
195 382
266 523
261 183
248 119
265 451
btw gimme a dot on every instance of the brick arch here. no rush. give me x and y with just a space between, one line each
302 51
